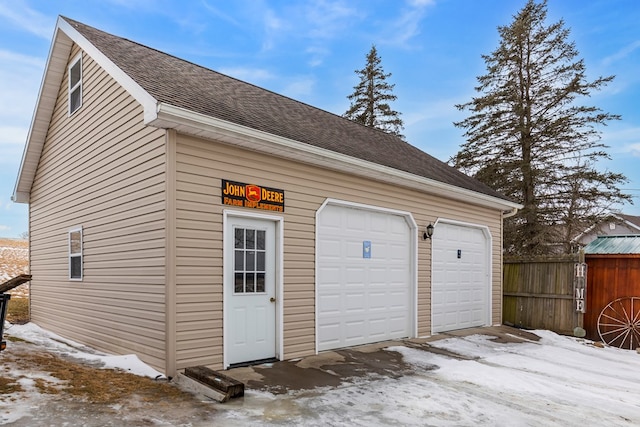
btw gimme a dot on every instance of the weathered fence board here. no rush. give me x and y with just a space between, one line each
538 294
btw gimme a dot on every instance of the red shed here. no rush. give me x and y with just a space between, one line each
613 290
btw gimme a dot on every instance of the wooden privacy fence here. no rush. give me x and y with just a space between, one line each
539 293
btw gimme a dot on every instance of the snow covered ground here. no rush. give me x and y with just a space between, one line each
14 260
556 381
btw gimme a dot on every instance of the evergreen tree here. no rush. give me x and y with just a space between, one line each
371 97
529 137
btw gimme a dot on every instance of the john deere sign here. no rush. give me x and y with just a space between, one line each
252 196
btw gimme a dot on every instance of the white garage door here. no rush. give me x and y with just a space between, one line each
364 277
460 278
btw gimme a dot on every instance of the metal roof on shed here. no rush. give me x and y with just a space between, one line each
629 244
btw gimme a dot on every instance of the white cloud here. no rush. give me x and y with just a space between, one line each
219 14
20 77
622 139
437 114
407 25
299 87
328 19
272 22
317 55
22 16
12 135
251 75
139 4
421 3
622 53
273 27
4 227
315 22
6 55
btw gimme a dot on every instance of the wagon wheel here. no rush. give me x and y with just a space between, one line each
619 323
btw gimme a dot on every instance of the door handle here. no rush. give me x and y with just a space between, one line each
272 299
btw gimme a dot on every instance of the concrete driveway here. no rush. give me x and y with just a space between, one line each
333 368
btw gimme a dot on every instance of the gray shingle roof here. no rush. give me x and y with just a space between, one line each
633 219
183 84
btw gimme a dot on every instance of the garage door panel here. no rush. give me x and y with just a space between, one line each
377 301
330 248
353 221
353 303
331 333
397 252
460 283
330 304
376 297
396 324
353 275
353 250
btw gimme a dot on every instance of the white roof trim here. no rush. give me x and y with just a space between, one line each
189 122
192 123
593 226
51 80
631 224
134 89
64 37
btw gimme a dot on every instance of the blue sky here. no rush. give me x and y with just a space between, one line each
308 50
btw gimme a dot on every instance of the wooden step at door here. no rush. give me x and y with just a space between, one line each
214 379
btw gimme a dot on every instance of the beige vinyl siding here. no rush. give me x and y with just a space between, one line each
103 170
200 167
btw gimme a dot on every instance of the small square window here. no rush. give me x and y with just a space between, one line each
75 254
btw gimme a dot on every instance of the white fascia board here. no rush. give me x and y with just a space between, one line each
593 226
63 38
147 101
190 122
631 224
42 112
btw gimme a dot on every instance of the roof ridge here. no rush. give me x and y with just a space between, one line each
306 104
192 87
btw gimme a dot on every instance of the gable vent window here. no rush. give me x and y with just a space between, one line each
75 85
75 254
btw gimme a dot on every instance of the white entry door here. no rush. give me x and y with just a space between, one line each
250 263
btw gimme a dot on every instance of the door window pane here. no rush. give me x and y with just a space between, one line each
260 236
239 236
251 239
249 260
239 283
250 281
239 261
260 283
260 261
